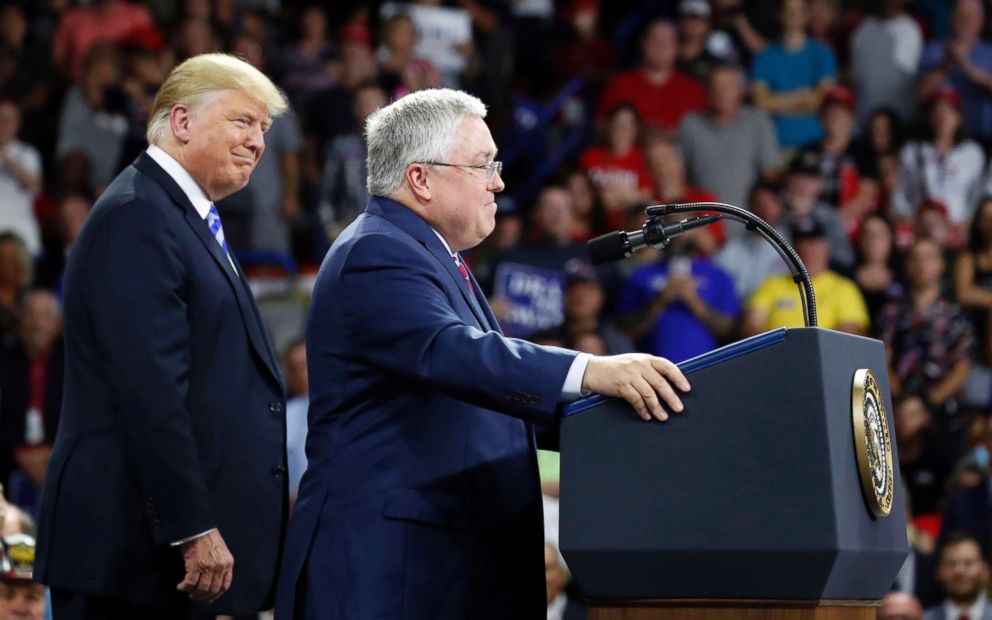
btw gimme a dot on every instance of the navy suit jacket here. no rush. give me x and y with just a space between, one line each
173 409
422 497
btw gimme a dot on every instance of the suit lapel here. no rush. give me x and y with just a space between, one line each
459 281
272 360
416 227
246 303
490 317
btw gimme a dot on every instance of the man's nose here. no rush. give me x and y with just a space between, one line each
496 183
256 139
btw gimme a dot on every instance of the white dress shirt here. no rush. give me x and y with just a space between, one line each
975 612
186 183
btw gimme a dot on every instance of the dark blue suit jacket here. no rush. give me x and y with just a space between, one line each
422 497
172 419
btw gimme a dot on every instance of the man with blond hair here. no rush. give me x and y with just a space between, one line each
421 498
165 495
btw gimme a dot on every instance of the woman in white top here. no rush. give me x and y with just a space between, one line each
20 178
945 165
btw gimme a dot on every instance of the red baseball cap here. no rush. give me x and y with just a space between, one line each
356 33
944 93
146 38
838 95
933 204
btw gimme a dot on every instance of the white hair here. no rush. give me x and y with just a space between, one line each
419 127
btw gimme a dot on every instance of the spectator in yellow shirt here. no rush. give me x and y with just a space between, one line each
839 304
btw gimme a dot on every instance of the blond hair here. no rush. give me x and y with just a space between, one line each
201 75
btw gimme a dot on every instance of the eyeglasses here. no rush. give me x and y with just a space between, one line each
489 170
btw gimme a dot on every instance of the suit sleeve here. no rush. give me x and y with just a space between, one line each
399 319
137 296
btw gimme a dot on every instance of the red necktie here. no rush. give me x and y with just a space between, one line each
964 617
461 268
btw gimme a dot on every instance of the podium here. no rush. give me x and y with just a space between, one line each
764 499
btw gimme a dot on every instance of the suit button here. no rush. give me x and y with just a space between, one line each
278 471
275 407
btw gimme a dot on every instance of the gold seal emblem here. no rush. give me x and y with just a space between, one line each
872 443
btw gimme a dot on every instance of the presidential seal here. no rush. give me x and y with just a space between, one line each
872 443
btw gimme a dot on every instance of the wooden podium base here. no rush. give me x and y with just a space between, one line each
679 609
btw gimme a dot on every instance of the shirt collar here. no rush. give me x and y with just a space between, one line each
974 612
445 244
183 179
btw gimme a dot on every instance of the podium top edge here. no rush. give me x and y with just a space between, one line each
717 356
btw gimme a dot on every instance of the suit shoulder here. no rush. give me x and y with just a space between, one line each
132 197
129 218
376 242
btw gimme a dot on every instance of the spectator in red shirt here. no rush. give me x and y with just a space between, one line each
670 186
617 167
31 381
668 173
102 21
661 94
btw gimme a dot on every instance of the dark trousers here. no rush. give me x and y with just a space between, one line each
68 605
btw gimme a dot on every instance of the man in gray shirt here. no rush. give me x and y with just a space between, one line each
728 146
750 258
888 46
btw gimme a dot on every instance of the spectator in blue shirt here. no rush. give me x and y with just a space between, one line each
295 366
963 61
682 307
790 76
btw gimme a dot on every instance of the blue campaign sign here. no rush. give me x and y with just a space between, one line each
534 297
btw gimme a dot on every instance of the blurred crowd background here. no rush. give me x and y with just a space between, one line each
860 130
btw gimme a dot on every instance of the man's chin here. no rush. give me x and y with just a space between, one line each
235 186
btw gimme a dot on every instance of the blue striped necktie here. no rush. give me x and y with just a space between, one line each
213 221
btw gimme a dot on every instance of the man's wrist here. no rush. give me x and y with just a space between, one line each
575 380
191 538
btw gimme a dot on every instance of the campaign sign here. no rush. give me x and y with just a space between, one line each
533 295
440 30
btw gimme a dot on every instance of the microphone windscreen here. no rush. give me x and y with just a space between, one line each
606 248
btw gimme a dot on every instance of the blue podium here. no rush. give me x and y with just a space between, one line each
776 494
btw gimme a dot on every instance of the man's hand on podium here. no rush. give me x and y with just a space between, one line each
639 379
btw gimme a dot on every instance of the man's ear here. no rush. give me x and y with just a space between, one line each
418 181
180 119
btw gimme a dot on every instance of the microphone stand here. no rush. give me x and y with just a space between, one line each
754 223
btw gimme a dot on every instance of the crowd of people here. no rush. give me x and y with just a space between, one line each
862 133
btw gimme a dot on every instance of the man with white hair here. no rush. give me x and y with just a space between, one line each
169 463
422 498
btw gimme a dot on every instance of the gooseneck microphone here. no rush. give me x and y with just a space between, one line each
619 244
